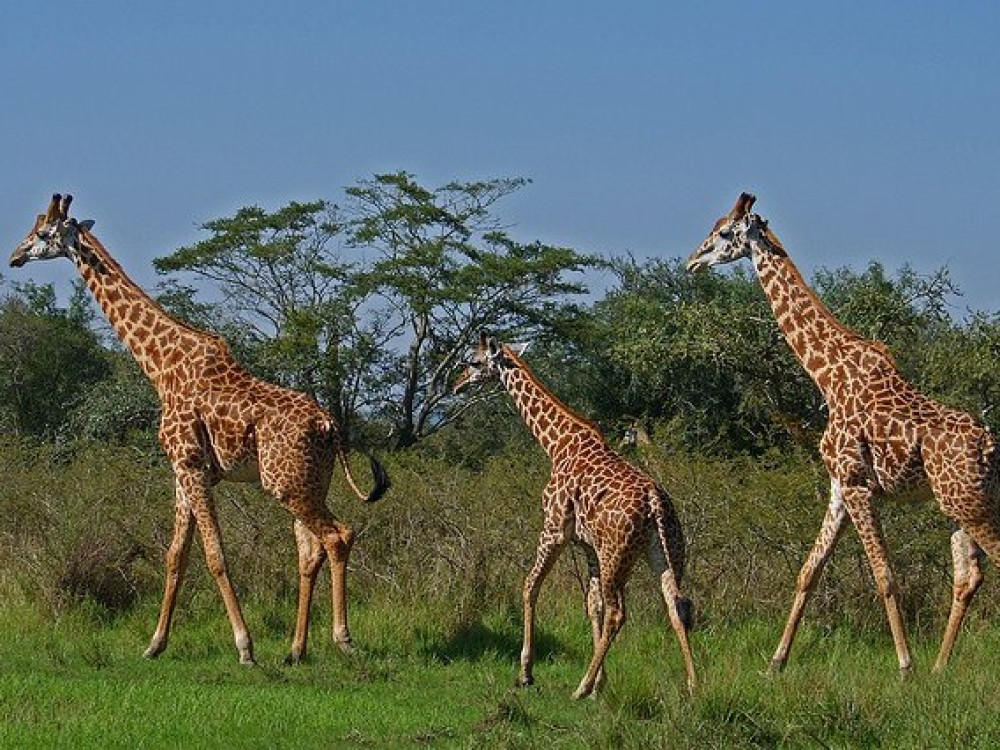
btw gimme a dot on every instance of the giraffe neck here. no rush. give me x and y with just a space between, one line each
810 329
550 421
155 339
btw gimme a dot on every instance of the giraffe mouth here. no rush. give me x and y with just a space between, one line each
696 264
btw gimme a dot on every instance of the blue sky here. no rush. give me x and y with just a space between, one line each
868 130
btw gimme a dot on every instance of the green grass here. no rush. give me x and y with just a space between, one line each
427 680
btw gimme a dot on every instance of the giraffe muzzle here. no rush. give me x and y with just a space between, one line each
19 258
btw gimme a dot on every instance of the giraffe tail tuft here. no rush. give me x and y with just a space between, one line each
382 481
685 610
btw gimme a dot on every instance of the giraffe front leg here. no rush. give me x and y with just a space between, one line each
833 525
968 576
595 606
177 560
858 502
195 486
550 544
614 618
311 556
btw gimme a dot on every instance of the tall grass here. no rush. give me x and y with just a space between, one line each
434 593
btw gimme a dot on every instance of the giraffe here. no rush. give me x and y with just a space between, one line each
596 499
218 422
882 437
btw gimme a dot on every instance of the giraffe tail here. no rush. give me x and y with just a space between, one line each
382 481
671 537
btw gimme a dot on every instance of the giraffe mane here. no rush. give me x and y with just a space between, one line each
522 365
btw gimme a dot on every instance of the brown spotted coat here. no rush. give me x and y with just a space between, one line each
882 435
594 497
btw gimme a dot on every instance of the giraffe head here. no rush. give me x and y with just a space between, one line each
486 361
733 236
55 234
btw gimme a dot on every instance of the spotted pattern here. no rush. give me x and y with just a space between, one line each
595 498
882 436
217 422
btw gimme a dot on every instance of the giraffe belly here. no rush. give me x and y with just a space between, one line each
245 471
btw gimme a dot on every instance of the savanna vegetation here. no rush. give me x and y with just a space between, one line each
369 304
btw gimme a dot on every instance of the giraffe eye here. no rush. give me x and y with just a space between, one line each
726 234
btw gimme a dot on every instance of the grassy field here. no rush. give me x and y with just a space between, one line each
424 679
434 591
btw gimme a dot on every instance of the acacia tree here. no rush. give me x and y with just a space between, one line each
444 268
381 334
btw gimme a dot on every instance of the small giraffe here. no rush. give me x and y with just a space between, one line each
882 436
597 499
218 422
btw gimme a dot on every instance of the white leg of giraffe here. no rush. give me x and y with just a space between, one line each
338 545
859 507
595 605
612 579
311 557
177 560
966 558
833 525
196 489
550 544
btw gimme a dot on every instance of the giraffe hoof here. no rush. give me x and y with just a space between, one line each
583 692
775 667
293 659
524 681
346 647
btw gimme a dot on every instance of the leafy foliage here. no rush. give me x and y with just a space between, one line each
49 357
445 269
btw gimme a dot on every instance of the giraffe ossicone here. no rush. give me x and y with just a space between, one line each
595 498
882 436
218 422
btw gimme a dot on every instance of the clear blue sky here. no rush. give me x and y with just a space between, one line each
868 130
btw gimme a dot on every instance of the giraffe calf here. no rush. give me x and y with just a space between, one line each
597 499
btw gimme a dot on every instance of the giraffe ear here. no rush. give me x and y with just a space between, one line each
492 346
87 224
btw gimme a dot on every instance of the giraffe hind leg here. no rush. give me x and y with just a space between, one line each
311 557
968 576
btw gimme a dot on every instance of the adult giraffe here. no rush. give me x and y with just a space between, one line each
218 422
594 497
882 435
